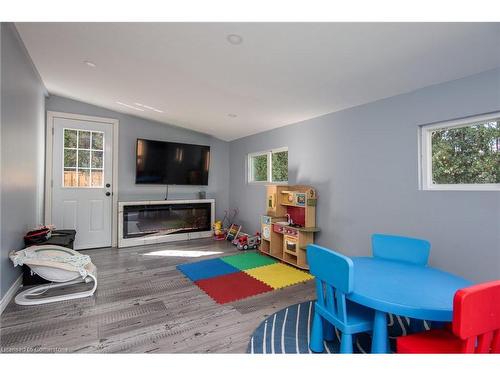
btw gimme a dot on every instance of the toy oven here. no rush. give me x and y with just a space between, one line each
290 244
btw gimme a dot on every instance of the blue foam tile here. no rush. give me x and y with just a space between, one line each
206 269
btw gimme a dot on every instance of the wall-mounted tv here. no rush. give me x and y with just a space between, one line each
169 163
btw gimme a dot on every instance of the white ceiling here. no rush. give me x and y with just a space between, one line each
282 73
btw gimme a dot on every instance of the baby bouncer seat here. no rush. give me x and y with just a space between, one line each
61 266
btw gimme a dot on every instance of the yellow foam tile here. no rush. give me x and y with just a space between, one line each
278 275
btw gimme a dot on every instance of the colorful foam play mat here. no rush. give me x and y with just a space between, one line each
288 331
235 277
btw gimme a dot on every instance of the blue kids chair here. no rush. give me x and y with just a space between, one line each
404 249
334 280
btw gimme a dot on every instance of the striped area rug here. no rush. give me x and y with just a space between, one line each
288 331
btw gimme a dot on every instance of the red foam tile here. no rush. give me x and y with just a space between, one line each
232 287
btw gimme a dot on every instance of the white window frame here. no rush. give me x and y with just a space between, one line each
425 150
269 153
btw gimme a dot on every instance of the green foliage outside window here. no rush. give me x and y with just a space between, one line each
70 137
467 155
260 168
280 166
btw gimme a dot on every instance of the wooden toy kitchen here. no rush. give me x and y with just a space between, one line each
290 223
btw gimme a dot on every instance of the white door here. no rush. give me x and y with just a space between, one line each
82 169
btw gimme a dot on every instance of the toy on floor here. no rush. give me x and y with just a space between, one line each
246 242
236 241
222 227
233 232
219 231
229 217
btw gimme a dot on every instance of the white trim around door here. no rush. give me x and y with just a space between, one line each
48 165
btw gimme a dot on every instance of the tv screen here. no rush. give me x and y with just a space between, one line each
169 163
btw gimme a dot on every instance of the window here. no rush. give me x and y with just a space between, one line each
268 166
83 158
461 155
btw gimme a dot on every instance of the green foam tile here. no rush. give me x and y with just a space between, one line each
247 261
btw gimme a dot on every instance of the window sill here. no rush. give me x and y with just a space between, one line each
464 187
267 183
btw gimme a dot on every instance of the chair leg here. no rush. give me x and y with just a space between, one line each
316 344
346 344
328 331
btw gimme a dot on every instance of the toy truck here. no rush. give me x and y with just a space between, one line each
247 242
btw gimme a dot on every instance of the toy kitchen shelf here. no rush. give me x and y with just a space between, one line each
290 223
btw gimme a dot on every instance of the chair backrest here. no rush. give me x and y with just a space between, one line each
404 249
334 278
476 317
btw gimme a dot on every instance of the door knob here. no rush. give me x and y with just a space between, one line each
108 193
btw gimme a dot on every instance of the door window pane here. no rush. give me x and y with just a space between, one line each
84 177
70 158
70 177
83 157
83 139
70 138
97 140
96 178
96 159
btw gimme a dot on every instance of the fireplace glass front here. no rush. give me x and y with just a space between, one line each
164 219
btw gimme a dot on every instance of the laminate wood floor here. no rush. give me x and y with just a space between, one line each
144 304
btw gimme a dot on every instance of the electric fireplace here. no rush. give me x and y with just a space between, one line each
162 221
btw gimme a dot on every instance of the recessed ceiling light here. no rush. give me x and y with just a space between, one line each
234 39
130 106
233 115
90 63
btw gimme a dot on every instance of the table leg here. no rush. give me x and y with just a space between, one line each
379 338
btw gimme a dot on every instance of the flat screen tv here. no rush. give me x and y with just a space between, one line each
169 163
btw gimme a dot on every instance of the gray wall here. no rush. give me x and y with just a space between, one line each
363 162
130 129
22 149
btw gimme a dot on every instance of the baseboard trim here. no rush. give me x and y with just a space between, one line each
10 293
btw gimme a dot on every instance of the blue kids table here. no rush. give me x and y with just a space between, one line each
405 289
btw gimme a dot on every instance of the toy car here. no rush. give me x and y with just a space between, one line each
248 242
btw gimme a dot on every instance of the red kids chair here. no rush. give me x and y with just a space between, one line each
475 326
